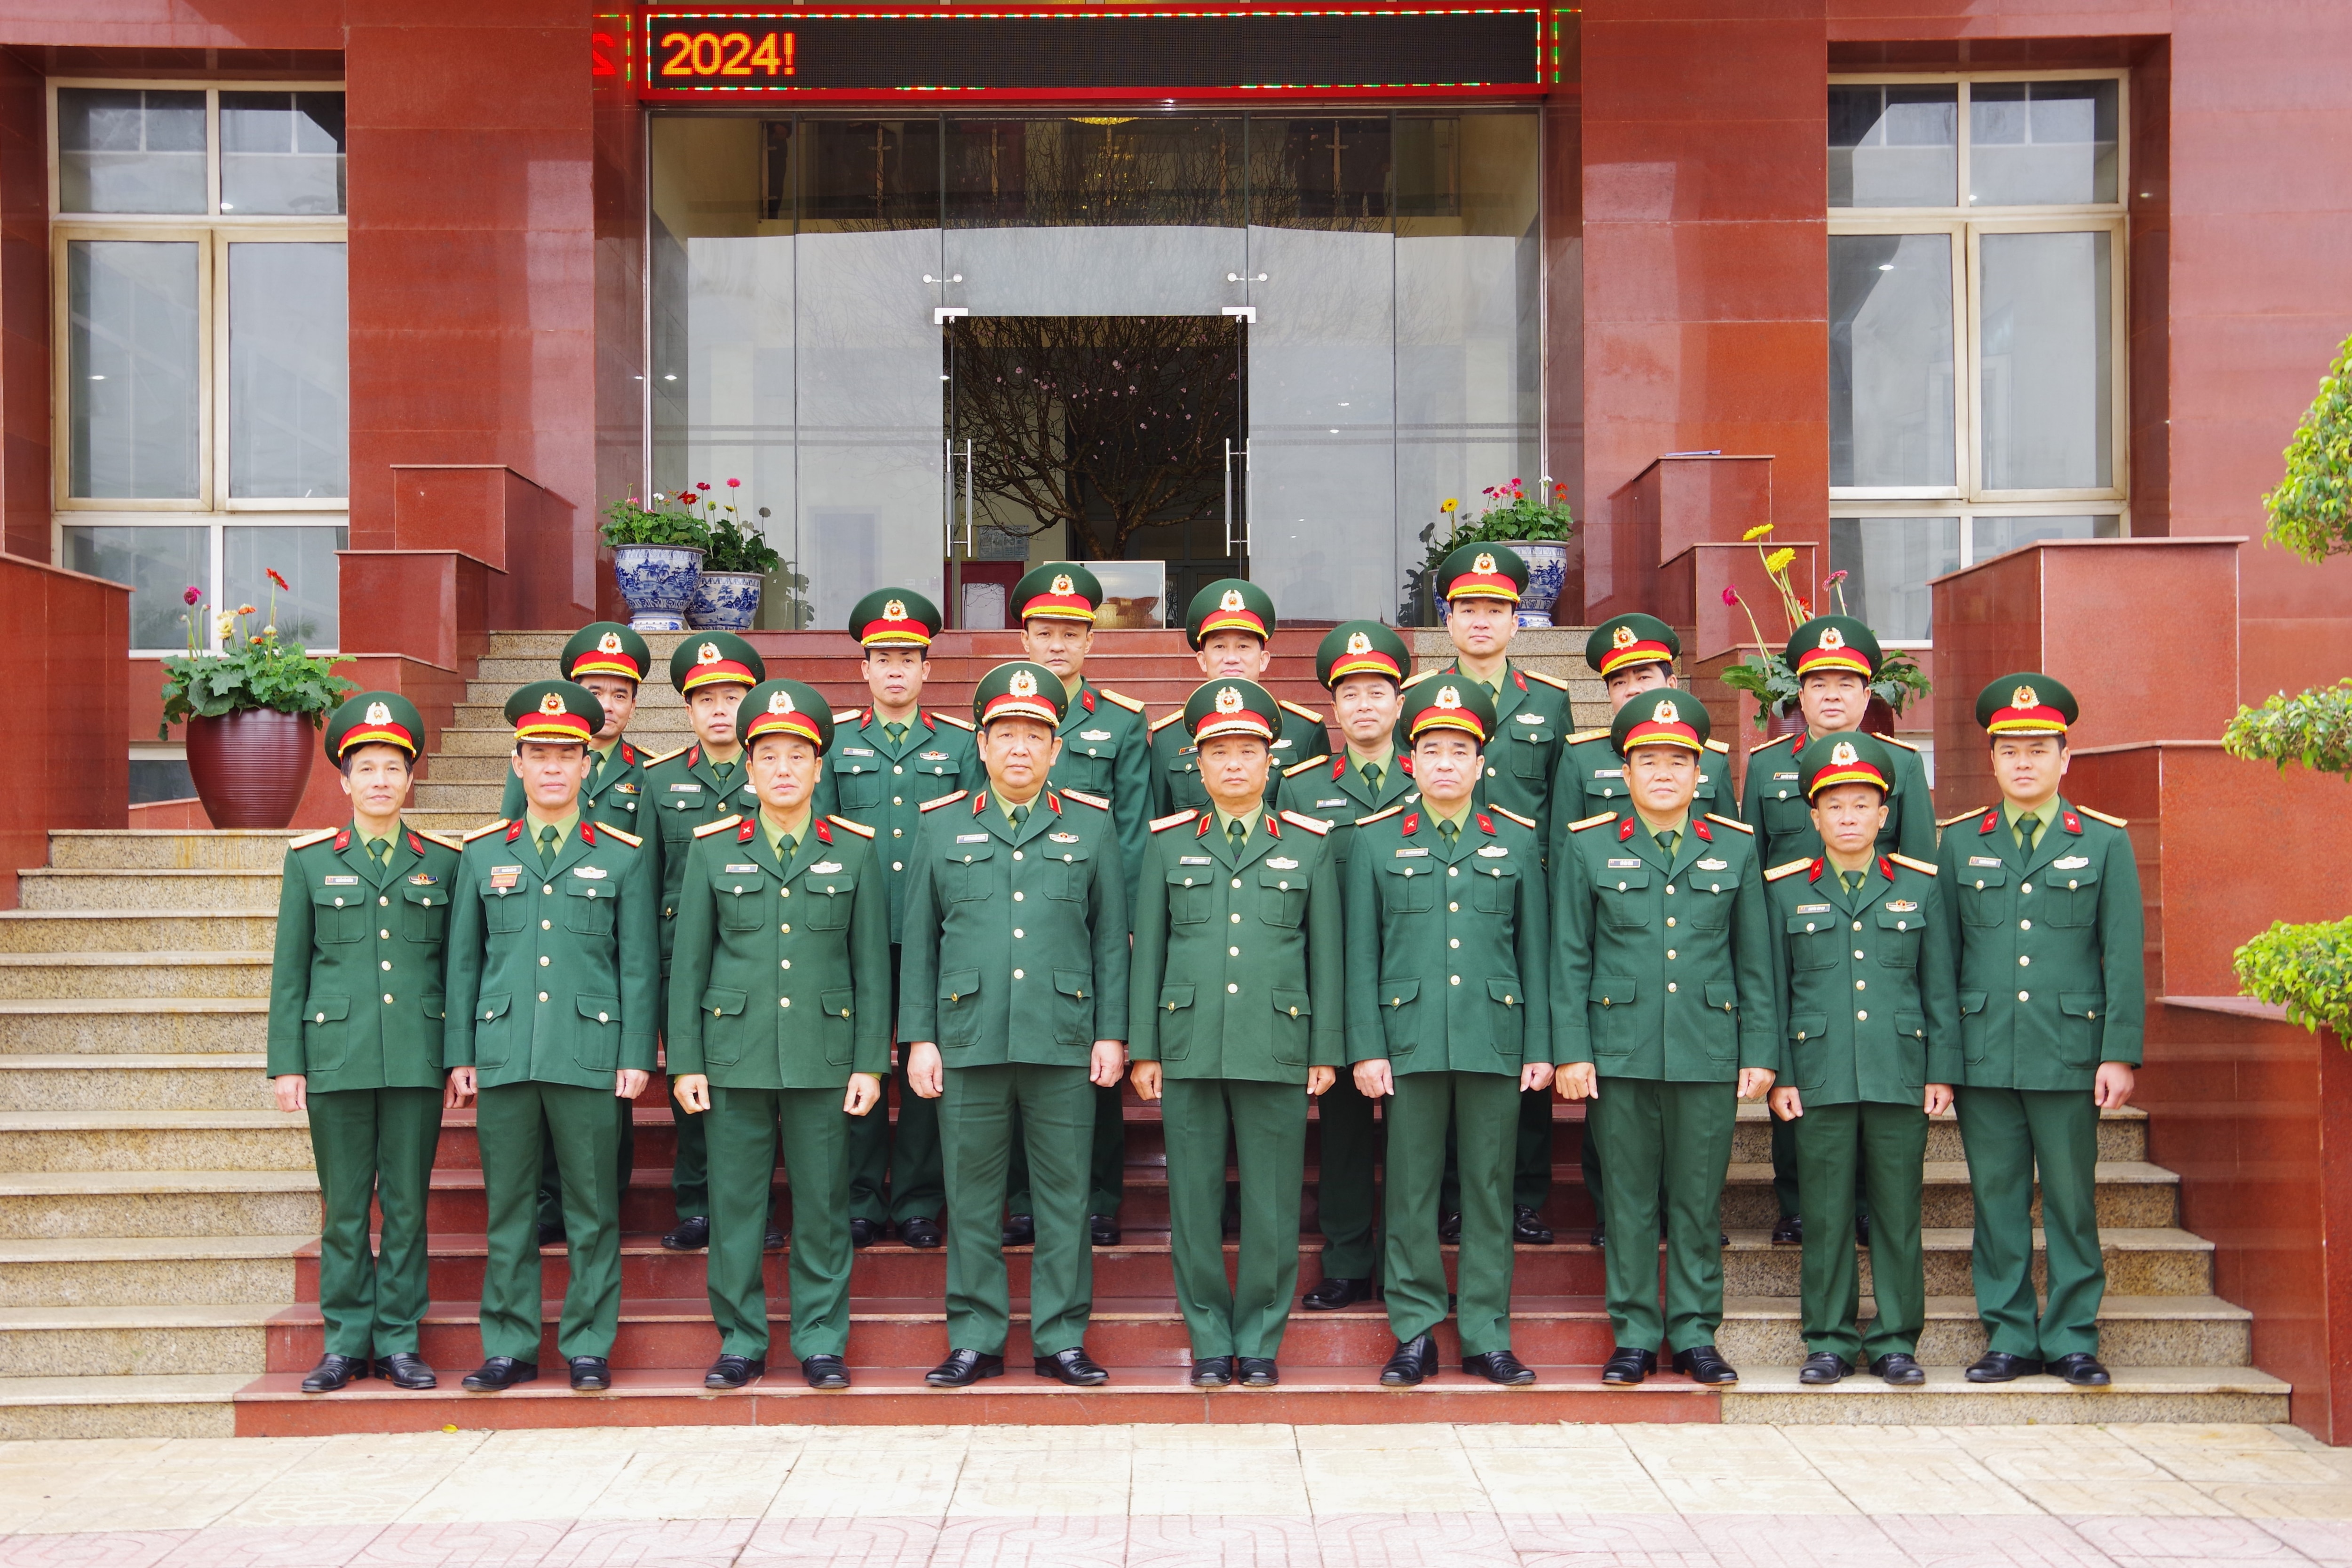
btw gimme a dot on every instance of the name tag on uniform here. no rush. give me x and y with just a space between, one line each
1608 773
1984 860
1284 863
1812 908
1194 860
1715 865
625 789
1321 803
972 838
423 880
686 789
1493 851
1779 776
1094 734
1902 906
825 869
505 876
742 871
2070 863
1629 863
594 873
1063 837
1406 853
341 881
857 750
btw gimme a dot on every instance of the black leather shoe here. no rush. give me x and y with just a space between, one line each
2082 1369
1999 1366
921 1232
500 1371
1527 1227
1600 1235
826 1371
1412 1361
964 1368
1789 1232
1899 1370
1335 1292
692 1235
865 1233
1212 1372
1702 1364
1259 1371
591 1374
1021 1230
405 1369
333 1372
1102 1229
1449 1226
1861 1230
1626 1368
734 1371
1498 1366
1823 1368
1072 1366
774 1240
551 1233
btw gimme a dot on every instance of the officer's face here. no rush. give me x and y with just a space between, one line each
1832 700
551 772
1233 769
895 676
1018 754
1848 816
1233 654
619 700
784 770
376 778
1368 707
1628 684
1060 645
1481 627
1445 766
1662 779
711 710
2028 766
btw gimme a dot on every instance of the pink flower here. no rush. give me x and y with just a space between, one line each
192 596
1730 596
1837 576
734 484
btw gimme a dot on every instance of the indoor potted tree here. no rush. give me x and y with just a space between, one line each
734 565
656 555
252 712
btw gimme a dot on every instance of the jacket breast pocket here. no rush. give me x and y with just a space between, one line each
1077 873
1899 934
425 913
504 911
2069 898
829 899
1408 887
1294 1020
723 1035
494 1026
2081 1034
1530 748
742 901
1400 1008
337 914
1175 1022
968 873
600 1033
1623 898
860 789
1609 1012
1192 897
1808 1048
1709 905
1282 897
326 1033
1494 890
587 907
1076 769
959 1001
840 1009
1786 814
1816 941
1982 893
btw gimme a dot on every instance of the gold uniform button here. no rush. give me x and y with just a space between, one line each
387 963
1016 932
2025 997
383 936
547 925
896 769
387 996
1670 924
1453 908
542 996
897 832
383 901
546 889
599 1017
339 904
2025 925
784 963
1857 925
1861 986
543 961
1670 888
1233 953
1016 854
787 892
783 1000
895 867
1861 1016
1230 987
1454 979
1857 952
1237 881
1670 986
1453 942
786 929
1670 953
320 1019
2024 960
894 799
1017 895
1454 870
1016 974
1237 917
2025 887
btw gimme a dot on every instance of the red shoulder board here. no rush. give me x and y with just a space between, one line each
743 834
1054 803
588 833
1273 827
516 831
1086 696
1406 763
1815 874
694 755
1992 821
1625 830
1338 766
1204 825
343 839
416 842
628 755
1485 824
1411 824
1521 678
823 834
2072 823
1703 835
1887 867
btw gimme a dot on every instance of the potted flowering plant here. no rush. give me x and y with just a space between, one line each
1536 526
657 554
252 711
737 562
1765 674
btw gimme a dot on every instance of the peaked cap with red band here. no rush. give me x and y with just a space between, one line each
1058 591
1020 690
1834 642
605 648
1621 642
782 707
1449 702
1229 605
1231 706
894 617
1855 757
714 658
556 710
1361 647
375 719
2026 703
1483 572
1661 716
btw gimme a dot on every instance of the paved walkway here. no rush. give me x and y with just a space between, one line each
1236 1496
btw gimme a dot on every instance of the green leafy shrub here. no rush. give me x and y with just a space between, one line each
2314 728
253 670
2308 970
2311 511
665 523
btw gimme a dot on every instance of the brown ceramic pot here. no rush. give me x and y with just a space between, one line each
250 768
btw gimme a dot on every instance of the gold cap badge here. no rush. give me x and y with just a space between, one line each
1022 683
1483 562
707 654
1624 638
780 702
1665 713
1232 601
1843 755
552 704
1360 642
1228 701
2025 697
609 643
1831 637
1449 697
896 610
1062 584
379 714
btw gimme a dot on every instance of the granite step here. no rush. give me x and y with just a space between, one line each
213 1081
168 1405
167 1270
137 931
167 849
85 1204
2201 1394
148 887
61 977
124 1141
108 1024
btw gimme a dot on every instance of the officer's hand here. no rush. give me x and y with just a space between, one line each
2113 1088
864 1093
1787 1104
630 1082
1535 1076
292 1090
458 1091
1577 1080
692 1092
926 1074
1754 1082
1110 1063
1320 1079
1940 1099
1374 1080
1145 1075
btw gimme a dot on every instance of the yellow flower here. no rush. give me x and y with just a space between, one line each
1448 504
1758 532
1778 562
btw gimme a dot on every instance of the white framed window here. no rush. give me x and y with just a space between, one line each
1978 328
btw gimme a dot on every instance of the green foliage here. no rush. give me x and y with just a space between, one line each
255 672
2308 970
739 547
627 522
1767 677
1512 517
2313 729
2311 510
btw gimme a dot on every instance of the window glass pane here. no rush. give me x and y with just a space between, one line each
164 778
1888 562
282 153
2048 388
1992 536
1891 401
134 399
2037 142
305 557
288 371
127 150
161 564
1894 146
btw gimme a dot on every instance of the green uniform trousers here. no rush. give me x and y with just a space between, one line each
893 1167
1052 1110
1785 1172
1346 1198
742 1127
1530 1157
1106 1159
1481 1110
578 1125
1267 1125
2007 1134
1667 1142
551 1189
1879 1146
373 1145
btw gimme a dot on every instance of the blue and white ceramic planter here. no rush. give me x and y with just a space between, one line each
725 601
657 581
1547 570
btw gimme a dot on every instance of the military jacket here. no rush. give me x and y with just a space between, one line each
883 784
2052 979
615 796
1532 720
780 977
1330 788
355 986
682 792
1664 968
1176 760
1865 981
1106 753
1239 964
553 974
1592 780
1448 947
1015 941
1773 802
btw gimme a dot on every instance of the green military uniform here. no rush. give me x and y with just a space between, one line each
684 790
355 1007
1669 952
1228 605
779 980
1866 992
2052 982
1015 963
1235 989
1448 981
555 983
881 774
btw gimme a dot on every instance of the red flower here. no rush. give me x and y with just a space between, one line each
192 596
281 582
1730 596
702 484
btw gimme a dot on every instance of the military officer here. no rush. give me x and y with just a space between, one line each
1481 584
1873 1045
1233 1007
1835 658
1362 665
355 1025
555 982
1013 993
1447 1012
2052 1002
896 756
1229 624
686 789
1106 752
779 980
1667 1020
